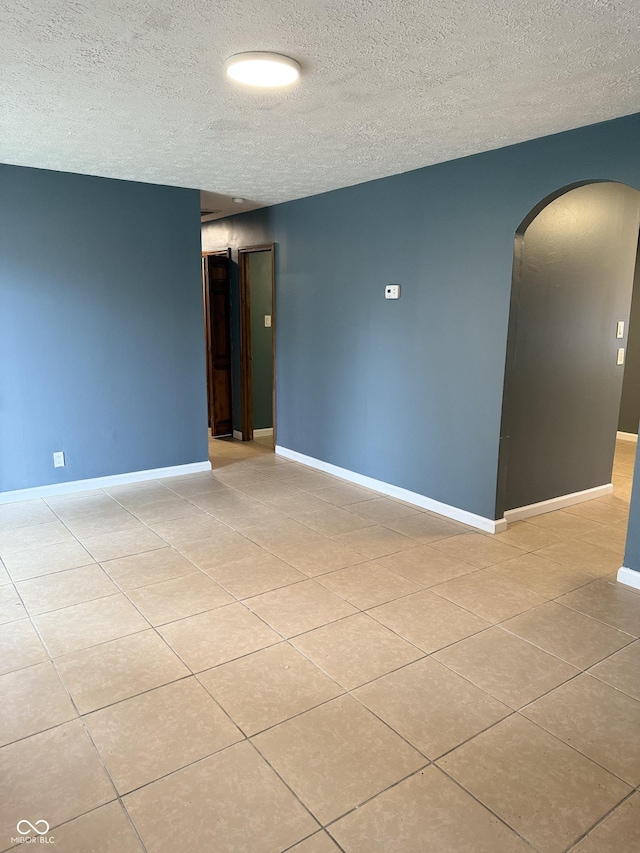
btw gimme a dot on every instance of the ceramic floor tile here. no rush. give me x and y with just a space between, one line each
430 706
476 548
300 607
267 687
333 521
527 537
612 538
63 589
255 575
485 595
343 494
4 574
112 521
609 603
180 531
57 773
34 536
11 607
367 584
218 636
383 510
82 504
425 527
567 634
427 812
239 518
512 670
34 699
356 650
565 524
621 670
427 620
24 514
352 755
155 733
619 832
88 624
150 567
426 566
104 830
285 534
318 843
584 556
375 541
118 670
597 720
549 793
110 546
178 598
205 807
219 550
297 505
318 558
43 561
540 575
20 646
166 509
309 480
598 511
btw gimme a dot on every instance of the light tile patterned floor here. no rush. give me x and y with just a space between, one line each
267 659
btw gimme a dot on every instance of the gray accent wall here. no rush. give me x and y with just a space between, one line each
101 327
261 339
573 280
410 391
630 403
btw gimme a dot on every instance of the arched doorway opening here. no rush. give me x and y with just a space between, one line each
573 273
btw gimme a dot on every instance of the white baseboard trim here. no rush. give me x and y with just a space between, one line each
629 577
488 525
237 435
260 433
628 436
102 482
522 512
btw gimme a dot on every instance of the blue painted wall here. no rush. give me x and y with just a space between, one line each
101 330
410 392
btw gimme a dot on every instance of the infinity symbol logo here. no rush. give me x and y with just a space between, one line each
32 826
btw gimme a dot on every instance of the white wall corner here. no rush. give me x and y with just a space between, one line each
103 482
629 577
487 525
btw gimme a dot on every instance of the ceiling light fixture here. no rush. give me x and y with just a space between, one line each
266 70
238 200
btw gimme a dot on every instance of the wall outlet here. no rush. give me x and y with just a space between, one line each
392 291
58 459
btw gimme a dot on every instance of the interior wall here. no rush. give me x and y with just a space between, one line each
410 391
101 327
261 339
630 402
573 281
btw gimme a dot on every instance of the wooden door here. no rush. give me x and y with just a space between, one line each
217 313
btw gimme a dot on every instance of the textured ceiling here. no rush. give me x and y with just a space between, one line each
135 88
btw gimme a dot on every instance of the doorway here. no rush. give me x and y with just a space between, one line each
573 273
256 265
216 299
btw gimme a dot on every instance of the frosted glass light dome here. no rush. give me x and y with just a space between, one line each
267 70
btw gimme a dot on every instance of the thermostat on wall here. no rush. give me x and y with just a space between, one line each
392 291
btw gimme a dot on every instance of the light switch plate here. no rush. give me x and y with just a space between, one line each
392 291
620 329
620 359
267 321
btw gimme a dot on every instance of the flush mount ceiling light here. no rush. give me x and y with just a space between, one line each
267 70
